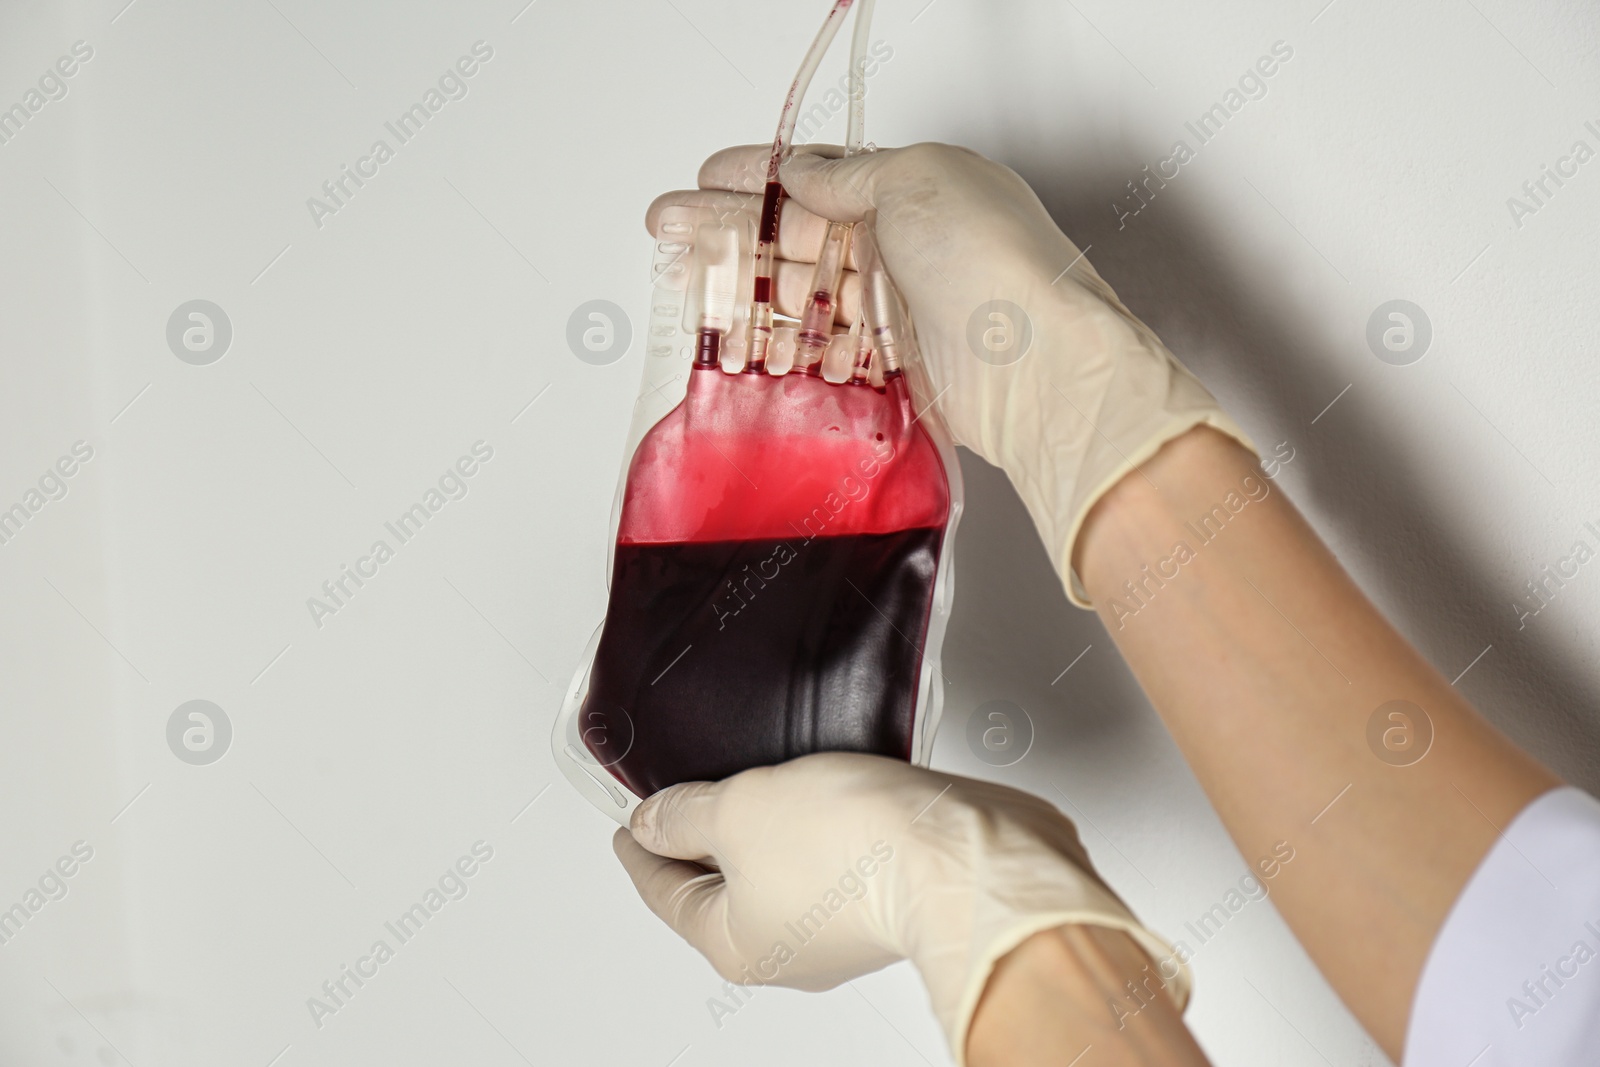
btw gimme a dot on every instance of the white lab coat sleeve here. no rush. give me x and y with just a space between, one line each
1513 979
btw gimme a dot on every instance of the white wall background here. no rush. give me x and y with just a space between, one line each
368 354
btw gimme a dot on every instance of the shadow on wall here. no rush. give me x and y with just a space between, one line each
1012 629
1356 472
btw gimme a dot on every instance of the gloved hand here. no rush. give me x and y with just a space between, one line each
1094 394
828 867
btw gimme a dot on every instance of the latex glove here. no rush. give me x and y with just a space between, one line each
1094 394
830 866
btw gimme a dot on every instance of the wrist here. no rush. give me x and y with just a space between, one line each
1072 987
1147 512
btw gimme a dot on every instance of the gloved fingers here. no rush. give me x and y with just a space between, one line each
679 822
800 232
743 168
685 896
715 199
815 175
793 283
838 189
651 872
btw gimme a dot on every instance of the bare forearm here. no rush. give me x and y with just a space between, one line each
1066 991
1268 666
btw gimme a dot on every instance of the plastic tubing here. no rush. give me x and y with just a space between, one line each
816 318
861 366
880 303
854 135
802 82
881 331
760 318
822 303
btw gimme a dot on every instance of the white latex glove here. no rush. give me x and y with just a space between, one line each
831 866
1094 394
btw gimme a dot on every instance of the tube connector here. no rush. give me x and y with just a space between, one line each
713 289
880 302
822 305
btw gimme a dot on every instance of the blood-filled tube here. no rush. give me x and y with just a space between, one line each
760 321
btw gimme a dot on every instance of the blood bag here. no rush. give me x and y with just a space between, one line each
780 568
780 571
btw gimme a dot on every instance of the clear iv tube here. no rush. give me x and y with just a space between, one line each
760 320
858 76
802 81
861 368
822 300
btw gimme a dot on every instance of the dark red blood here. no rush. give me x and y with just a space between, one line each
708 348
732 654
773 193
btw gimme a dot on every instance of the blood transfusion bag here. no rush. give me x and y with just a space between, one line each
780 571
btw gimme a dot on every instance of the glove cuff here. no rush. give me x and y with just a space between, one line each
964 935
1088 495
1144 399
957 1003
